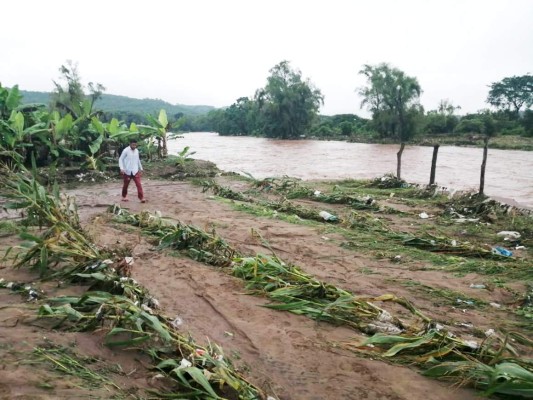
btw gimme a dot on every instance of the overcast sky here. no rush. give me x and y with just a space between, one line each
212 52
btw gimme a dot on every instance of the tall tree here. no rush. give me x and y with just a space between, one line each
69 95
393 99
512 93
287 104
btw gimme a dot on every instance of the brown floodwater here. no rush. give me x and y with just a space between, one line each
509 173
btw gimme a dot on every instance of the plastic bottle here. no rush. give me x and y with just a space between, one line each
327 216
501 251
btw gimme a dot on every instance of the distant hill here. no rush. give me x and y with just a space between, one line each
113 103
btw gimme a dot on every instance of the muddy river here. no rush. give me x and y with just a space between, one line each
509 174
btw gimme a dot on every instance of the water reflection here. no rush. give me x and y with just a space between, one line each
509 174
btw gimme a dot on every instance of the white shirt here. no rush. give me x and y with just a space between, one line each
129 161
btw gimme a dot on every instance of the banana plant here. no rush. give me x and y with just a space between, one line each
184 155
98 129
120 134
58 137
17 137
9 101
108 136
159 130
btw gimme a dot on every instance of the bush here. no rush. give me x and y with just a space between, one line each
516 131
469 126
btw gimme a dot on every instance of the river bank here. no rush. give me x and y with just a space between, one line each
502 142
370 251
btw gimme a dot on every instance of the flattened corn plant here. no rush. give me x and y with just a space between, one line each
286 284
424 343
222 191
200 245
440 244
505 378
293 189
355 221
283 205
128 314
118 305
62 240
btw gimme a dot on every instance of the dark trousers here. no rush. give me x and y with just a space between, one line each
137 179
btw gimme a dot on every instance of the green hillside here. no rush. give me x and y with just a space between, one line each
114 103
35 97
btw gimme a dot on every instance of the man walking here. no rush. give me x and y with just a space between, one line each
131 168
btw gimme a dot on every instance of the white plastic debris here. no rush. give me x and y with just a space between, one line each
423 215
477 286
472 344
454 243
327 216
520 247
146 308
384 327
385 316
129 260
153 302
509 235
461 220
93 266
176 322
489 332
317 193
32 295
184 363
368 200
495 305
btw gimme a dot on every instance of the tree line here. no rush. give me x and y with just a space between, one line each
391 96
